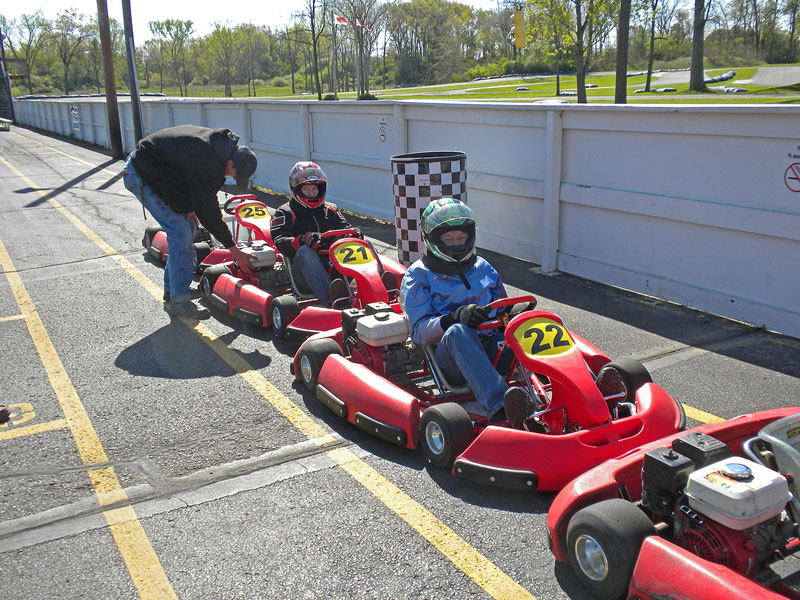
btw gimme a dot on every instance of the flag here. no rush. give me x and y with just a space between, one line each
358 24
340 20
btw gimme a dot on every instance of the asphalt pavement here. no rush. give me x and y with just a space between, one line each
161 458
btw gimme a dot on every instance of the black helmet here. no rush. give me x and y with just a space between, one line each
308 173
441 216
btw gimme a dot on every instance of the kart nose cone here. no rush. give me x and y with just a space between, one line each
591 558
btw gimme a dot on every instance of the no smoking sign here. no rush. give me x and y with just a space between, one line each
792 177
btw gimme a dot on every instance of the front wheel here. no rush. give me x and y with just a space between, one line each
284 310
445 432
618 382
603 542
210 276
312 356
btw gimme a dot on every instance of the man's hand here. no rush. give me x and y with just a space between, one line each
312 239
470 315
242 258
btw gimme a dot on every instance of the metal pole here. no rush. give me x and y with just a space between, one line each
108 73
133 77
335 73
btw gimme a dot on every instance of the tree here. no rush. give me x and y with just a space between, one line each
553 22
254 45
621 85
173 36
26 38
224 48
697 81
315 15
70 31
791 8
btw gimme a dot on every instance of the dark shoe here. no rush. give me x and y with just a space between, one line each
186 309
5 414
338 290
498 415
518 405
195 295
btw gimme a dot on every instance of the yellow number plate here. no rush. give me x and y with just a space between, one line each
353 253
248 211
543 337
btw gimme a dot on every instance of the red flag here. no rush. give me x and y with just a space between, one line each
340 20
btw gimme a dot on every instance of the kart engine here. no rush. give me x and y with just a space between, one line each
377 337
725 509
270 272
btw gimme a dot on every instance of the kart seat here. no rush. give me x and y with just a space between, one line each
783 437
438 375
301 289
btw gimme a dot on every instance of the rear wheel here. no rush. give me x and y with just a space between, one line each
603 542
284 310
199 252
149 234
210 276
445 432
312 356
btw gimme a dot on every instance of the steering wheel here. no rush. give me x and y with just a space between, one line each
504 308
231 210
330 236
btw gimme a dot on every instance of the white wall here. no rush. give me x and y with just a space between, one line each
688 203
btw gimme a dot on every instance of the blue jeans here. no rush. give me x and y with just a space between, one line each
463 355
307 267
180 230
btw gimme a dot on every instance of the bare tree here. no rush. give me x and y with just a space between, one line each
315 16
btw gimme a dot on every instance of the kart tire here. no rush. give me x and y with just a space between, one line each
445 431
312 356
284 310
603 543
199 252
631 375
149 234
209 278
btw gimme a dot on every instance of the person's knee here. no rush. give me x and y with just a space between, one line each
457 333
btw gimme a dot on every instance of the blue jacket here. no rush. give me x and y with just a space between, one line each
426 296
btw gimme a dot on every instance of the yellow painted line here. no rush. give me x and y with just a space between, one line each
75 158
136 550
11 318
699 415
479 568
16 432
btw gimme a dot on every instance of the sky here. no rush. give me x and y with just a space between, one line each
203 13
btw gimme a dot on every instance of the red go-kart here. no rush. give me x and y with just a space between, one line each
588 408
244 296
705 514
368 278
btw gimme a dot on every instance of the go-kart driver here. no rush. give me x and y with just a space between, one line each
176 173
297 226
445 295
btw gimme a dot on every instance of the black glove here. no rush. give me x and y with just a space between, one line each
358 233
470 315
312 239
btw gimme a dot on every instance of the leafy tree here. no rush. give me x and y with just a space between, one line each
225 50
697 76
173 36
26 38
70 32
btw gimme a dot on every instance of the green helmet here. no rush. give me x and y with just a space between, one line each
441 216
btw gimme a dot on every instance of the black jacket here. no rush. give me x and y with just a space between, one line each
185 167
293 219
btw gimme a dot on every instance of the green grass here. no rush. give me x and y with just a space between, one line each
540 87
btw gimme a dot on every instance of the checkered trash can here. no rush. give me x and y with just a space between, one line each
419 178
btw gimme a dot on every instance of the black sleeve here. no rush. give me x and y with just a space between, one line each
282 232
210 217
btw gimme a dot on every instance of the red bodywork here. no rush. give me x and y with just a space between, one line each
663 570
353 258
500 455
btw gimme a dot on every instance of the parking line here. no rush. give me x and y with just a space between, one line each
16 432
476 566
128 533
699 415
11 318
